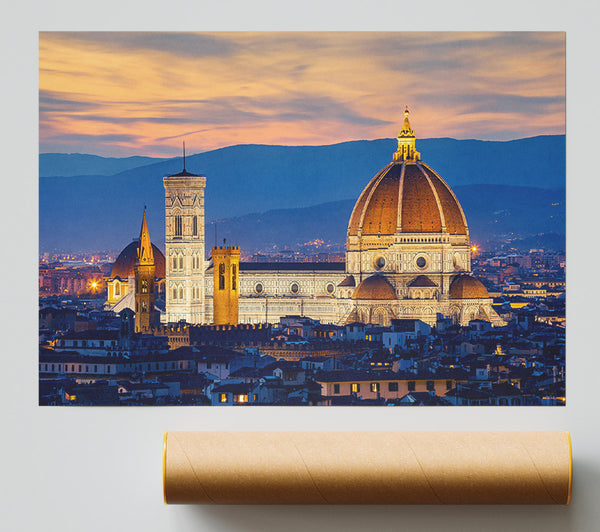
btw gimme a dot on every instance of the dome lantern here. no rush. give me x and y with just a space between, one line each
406 142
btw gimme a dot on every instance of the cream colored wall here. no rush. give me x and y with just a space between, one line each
184 196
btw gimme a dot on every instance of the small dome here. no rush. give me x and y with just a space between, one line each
374 287
422 281
466 287
123 266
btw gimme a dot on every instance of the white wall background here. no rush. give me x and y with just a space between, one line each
98 469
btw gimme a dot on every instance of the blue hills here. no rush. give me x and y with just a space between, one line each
261 194
73 164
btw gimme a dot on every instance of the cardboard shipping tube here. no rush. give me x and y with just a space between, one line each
367 467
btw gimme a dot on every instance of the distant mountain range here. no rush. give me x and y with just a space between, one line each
494 213
74 164
301 192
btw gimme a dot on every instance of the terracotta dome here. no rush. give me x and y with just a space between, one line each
123 266
466 287
422 281
407 196
374 287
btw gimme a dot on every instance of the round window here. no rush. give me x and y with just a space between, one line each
258 288
330 288
421 262
294 288
379 263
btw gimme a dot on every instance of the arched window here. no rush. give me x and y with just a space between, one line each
222 276
117 288
233 277
174 263
181 263
195 225
181 293
178 225
174 293
144 286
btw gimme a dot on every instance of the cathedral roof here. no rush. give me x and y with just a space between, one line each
407 196
374 287
465 286
348 281
123 266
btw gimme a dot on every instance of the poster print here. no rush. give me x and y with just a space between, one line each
302 218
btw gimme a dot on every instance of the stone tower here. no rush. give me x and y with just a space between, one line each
144 281
226 287
184 243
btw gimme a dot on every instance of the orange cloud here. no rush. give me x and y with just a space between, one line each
139 93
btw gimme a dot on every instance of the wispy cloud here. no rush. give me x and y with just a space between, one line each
144 88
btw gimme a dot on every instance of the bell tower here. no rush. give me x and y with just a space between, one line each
144 281
184 247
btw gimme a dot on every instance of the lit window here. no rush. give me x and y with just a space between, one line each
222 398
242 398
374 387
355 387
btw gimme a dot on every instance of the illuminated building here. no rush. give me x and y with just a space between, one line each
407 256
184 247
143 260
226 262
144 281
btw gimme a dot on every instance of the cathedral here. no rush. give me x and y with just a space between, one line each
407 256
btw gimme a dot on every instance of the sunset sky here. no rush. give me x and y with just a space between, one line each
123 94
